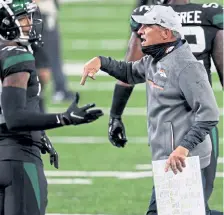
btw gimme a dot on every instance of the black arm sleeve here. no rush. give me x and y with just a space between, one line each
197 134
217 54
18 118
120 99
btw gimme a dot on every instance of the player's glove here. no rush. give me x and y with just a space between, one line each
48 147
75 115
116 132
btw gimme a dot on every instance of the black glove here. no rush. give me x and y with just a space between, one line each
75 115
116 132
47 147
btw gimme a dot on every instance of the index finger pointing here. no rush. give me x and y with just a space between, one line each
83 80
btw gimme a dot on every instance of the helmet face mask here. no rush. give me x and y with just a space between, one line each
11 12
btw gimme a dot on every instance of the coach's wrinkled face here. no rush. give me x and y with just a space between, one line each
153 34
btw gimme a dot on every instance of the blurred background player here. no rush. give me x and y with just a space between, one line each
48 58
43 69
203 29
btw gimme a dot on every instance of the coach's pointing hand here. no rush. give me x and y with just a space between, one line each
90 69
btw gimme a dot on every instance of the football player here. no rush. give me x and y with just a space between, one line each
52 64
23 185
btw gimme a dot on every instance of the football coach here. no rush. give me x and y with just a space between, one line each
181 106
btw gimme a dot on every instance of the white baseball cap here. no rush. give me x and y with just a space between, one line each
160 15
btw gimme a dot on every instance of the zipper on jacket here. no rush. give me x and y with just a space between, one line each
172 137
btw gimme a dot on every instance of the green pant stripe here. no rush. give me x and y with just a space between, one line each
31 171
214 141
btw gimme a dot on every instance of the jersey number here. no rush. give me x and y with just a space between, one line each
195 36
214 5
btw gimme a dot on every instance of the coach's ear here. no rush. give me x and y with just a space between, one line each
166 33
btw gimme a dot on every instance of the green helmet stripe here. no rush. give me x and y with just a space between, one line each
12 60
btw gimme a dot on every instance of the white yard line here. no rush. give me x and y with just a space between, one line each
221 160
219 174
221 111
113 44
97 140
110 174
69 181
129 111
144 167
77 68
109 86
91 140
102 86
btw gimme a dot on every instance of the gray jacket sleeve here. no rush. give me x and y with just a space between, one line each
128 72
194 84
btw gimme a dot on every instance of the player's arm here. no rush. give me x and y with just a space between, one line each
217 54
121 95
134 51
19 118
214 13
123 90
130 74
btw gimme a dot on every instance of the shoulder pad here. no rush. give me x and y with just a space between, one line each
214 14
12 55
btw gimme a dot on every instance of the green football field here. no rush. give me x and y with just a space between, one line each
94 177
